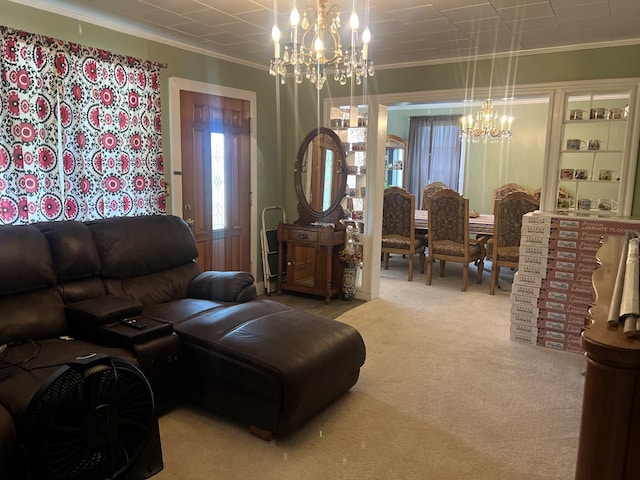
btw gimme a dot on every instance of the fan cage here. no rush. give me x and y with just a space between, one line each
89 421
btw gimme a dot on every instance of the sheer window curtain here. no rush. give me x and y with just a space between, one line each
80 133
433 152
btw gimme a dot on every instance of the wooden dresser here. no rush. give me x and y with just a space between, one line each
610 430
312 263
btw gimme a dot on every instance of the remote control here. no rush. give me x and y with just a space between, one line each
133 323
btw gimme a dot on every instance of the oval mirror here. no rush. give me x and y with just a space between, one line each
320 175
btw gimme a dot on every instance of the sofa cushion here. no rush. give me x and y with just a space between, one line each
154 288
25 262
135 246
72 248
182 309
35 315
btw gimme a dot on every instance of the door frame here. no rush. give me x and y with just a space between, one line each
176 85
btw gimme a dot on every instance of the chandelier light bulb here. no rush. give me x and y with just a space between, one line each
354 21
295 17
275 35
366 35
318 46
366 38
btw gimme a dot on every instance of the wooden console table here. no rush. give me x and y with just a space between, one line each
312 261
610 427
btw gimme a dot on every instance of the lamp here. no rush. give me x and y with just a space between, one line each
315 48
485 127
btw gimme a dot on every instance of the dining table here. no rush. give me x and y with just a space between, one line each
480 224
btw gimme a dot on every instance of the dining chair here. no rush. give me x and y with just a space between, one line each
505 243
506 189
429 190
448 235
398 228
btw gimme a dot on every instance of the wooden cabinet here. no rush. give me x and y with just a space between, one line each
610 427
312 263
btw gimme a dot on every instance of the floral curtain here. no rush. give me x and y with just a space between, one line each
80 134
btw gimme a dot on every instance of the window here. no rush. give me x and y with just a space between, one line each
218 184
433 152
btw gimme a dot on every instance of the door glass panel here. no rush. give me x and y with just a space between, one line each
218 197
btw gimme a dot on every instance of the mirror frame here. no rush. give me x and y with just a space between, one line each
334 212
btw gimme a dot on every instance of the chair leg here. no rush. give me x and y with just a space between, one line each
494 279
442 265
429 269
386 260
465 277
422 256
495 272
480 270
410 256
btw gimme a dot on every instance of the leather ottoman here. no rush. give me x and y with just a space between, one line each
268 365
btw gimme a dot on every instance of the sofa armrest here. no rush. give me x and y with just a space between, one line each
96 311
231 286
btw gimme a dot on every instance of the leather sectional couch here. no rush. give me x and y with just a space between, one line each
65 288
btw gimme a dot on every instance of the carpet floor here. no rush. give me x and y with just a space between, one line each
444 394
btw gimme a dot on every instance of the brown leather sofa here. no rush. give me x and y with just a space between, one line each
66 286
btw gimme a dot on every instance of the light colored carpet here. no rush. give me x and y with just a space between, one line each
444 394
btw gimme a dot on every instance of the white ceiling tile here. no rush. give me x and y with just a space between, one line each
421 13
450 4
466 14
482 25
231 7
533 24
162 17
576 3
174 6
535 10
599 11
498 4
431 26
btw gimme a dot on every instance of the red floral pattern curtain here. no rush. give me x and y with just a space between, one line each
80 132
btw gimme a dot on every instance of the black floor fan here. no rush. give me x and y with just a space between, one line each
93 419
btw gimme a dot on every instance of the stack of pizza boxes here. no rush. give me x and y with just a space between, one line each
552 289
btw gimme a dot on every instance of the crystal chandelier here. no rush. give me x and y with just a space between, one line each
315 48
485 127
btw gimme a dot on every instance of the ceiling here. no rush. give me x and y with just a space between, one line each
403 31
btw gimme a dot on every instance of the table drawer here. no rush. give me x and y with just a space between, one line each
302 235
